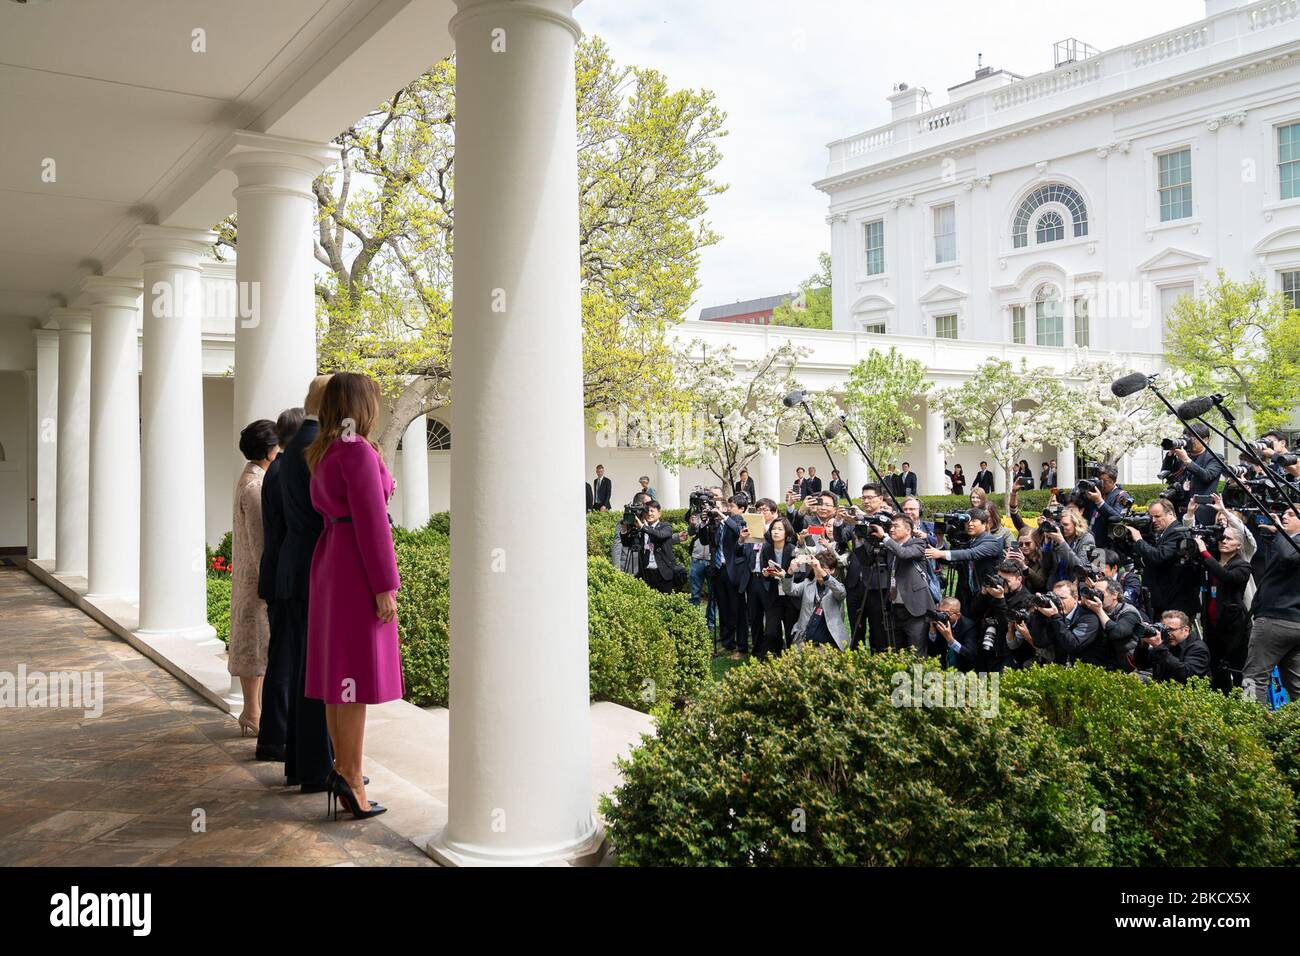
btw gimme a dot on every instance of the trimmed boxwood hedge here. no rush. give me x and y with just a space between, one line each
1078 765
805 760
647 650
219 605
1282 731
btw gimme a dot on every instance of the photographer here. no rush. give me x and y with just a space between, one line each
731 601
1112 568
1198 471
1007 602
960 635
1028 552
1122 624
627 546
1176 653
866 578
1071 543
705 525
1106 502
976 561
821 599
658 563
1226 619
909 586
1172 582
1275 635
1071 630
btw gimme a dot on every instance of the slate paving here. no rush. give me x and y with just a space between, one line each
125 788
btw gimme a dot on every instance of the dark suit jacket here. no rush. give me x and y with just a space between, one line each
908 482
1173 585
747 486
589 496
907 562
839 488
302 523
603 490
731 528
272 532
661 541
984 479
811 486
771 586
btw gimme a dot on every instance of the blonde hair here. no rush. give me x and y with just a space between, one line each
315 392
349 410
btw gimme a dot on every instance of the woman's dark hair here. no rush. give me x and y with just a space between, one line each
828 560
257 439
956 468
789 531
287 425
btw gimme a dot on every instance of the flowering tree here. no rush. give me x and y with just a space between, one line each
881 401
987 406
739 410
1106 427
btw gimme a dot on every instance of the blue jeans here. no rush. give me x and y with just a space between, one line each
699 571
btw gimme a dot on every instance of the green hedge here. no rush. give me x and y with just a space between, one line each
1184 773
219 605
1078 765
1282 731
805 760
647 650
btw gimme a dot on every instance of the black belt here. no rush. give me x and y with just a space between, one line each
345 518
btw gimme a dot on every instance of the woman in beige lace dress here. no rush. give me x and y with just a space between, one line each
250 630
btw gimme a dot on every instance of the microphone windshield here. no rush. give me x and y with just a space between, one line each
793 399
834 428
1128 385
1195 407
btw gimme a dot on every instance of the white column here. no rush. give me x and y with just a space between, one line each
73 470
931 482
856 475
415 473
766 472
520 752
1065 466
114 562
45 426
668 485
173 595
275 330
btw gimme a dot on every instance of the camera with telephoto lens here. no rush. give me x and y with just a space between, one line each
991 629
1153 630
1018 615
1079 495
994 581
1119 529
1172 444
702 501
934 615
863 523
1286 460
632 512
1088 593
1047 600
1211 534
1050 520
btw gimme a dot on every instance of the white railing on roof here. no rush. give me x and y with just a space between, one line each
869 141
1170 45
1048 84
1270 14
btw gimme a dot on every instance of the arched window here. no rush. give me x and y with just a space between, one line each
1049 315
1052 192
437 435
1051 228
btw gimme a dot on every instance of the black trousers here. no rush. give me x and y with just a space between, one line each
276 686
754 614
308 753
778 626
910 631
652 577
731 613
867 614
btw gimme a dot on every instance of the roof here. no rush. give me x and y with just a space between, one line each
764 304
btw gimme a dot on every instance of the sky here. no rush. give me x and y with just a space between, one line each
793 75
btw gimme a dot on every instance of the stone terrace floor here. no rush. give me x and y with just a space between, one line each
121 789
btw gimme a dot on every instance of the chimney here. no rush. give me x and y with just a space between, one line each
907 101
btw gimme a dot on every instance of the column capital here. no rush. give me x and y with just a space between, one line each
179 247
264 163
117 291
558 11
46 338
69 320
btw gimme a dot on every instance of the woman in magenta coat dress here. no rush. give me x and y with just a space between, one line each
352 650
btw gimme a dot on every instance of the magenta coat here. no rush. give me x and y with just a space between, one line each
351 656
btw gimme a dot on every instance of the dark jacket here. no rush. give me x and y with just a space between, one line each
975 562
771 592
810 486
737 575
839 488
747 486
907 567
1077 640
302 523
1121 633
983 479
1191 658
661 539
868 565
1100 516
908 483
1277 594
590 499
1173 584
603 492
272 532
1201 475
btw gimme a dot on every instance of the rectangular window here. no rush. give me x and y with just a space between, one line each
875 328
1081 323
875 231
1175 185
945 326
1288 160
1018 324
1168 296
1050 323
1291 288
945 233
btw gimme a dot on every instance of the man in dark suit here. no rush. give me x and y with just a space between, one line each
731 597
1177 654
812 485
1174 584
602 491
866 579
658 564
308 754
908 481
278 683
1198 471
797 487
984 478
746 484
838 486
909 592
1073 631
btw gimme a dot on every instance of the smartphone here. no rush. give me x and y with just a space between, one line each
1203 499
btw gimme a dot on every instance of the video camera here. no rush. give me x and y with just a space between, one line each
863 523
1050 520
1211 534
702 501
1119 529
632 512
952 525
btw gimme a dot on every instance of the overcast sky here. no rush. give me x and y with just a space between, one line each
792 75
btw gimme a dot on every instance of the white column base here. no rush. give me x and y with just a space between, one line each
201 635
585 851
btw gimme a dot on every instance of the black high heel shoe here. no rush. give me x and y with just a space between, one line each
341 790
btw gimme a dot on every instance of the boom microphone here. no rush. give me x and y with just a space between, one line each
793 399
1129 385
833 429
1196 407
